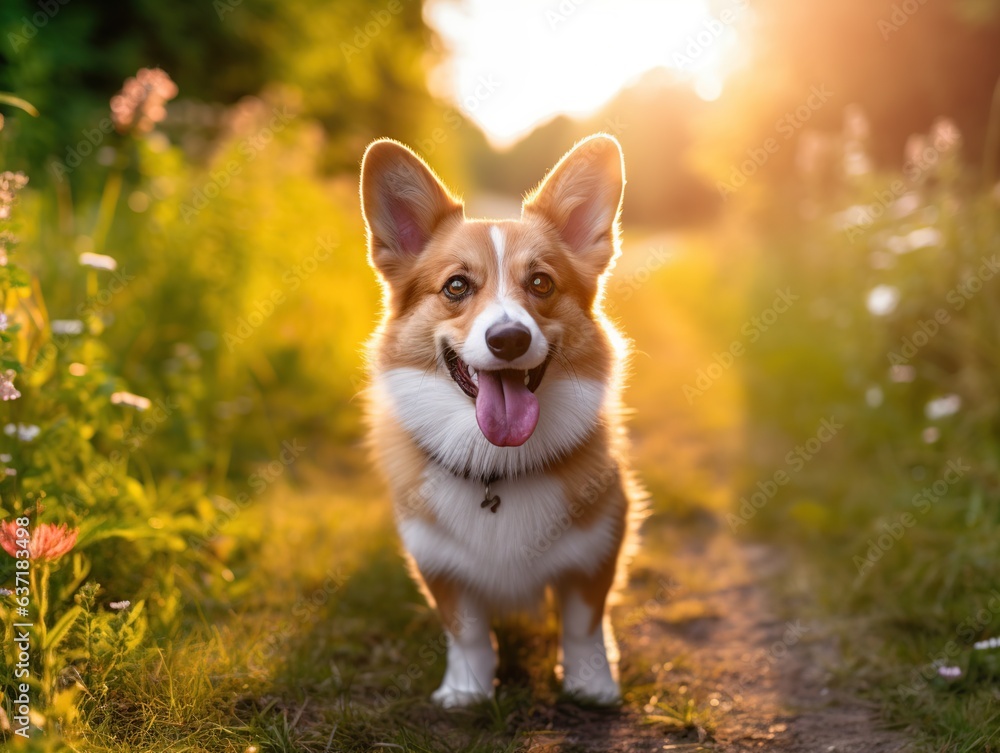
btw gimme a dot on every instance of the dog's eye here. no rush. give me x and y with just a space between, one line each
541 284
456 287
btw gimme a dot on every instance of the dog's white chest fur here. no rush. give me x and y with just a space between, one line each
510 555
507 556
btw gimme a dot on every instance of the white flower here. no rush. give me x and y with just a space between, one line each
3 322
138 402
98 261
924 237
906 204
5 457
66 327
942 407
119 605
24 432
874 396
988 643
853 216
951 673
882 299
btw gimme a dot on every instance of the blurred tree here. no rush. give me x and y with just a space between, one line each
358 66
904 62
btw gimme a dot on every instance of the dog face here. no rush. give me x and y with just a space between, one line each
495 313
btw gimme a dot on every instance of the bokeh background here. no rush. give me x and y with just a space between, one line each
809 277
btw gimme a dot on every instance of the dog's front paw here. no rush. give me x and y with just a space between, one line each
450 697
597 691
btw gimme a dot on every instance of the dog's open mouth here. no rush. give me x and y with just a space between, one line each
506 406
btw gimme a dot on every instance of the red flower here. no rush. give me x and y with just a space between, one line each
47 544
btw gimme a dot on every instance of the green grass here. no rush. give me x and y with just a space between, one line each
921 598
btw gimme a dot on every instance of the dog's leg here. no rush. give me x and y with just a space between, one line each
472 655
589 651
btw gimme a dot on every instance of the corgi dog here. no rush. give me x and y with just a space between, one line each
494 409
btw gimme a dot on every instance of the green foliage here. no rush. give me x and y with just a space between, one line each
896 338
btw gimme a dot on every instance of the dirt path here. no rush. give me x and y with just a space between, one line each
740 677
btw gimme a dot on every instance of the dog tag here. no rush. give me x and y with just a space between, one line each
492 502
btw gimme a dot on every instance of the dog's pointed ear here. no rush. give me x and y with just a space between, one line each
403 201
582 197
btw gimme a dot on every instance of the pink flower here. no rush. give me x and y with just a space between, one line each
140 104
47 544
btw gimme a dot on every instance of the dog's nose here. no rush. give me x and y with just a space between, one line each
508 340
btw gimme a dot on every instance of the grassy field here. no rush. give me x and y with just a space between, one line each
337 651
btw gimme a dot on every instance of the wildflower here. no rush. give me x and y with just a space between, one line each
120 605
24 432
98 261
924 237
4 323
7 389
5 457
856 133
66 327
140 103
987 644
856 125
882 299
5 592
905 205
10 184
48 542
950 672
857 215
945 136
914 152
874 396
942 407
138 402
902 373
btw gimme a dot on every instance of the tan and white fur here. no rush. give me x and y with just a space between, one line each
495 375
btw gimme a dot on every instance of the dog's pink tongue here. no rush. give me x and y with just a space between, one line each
507 411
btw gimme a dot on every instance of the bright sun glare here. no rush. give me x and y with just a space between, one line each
515 64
